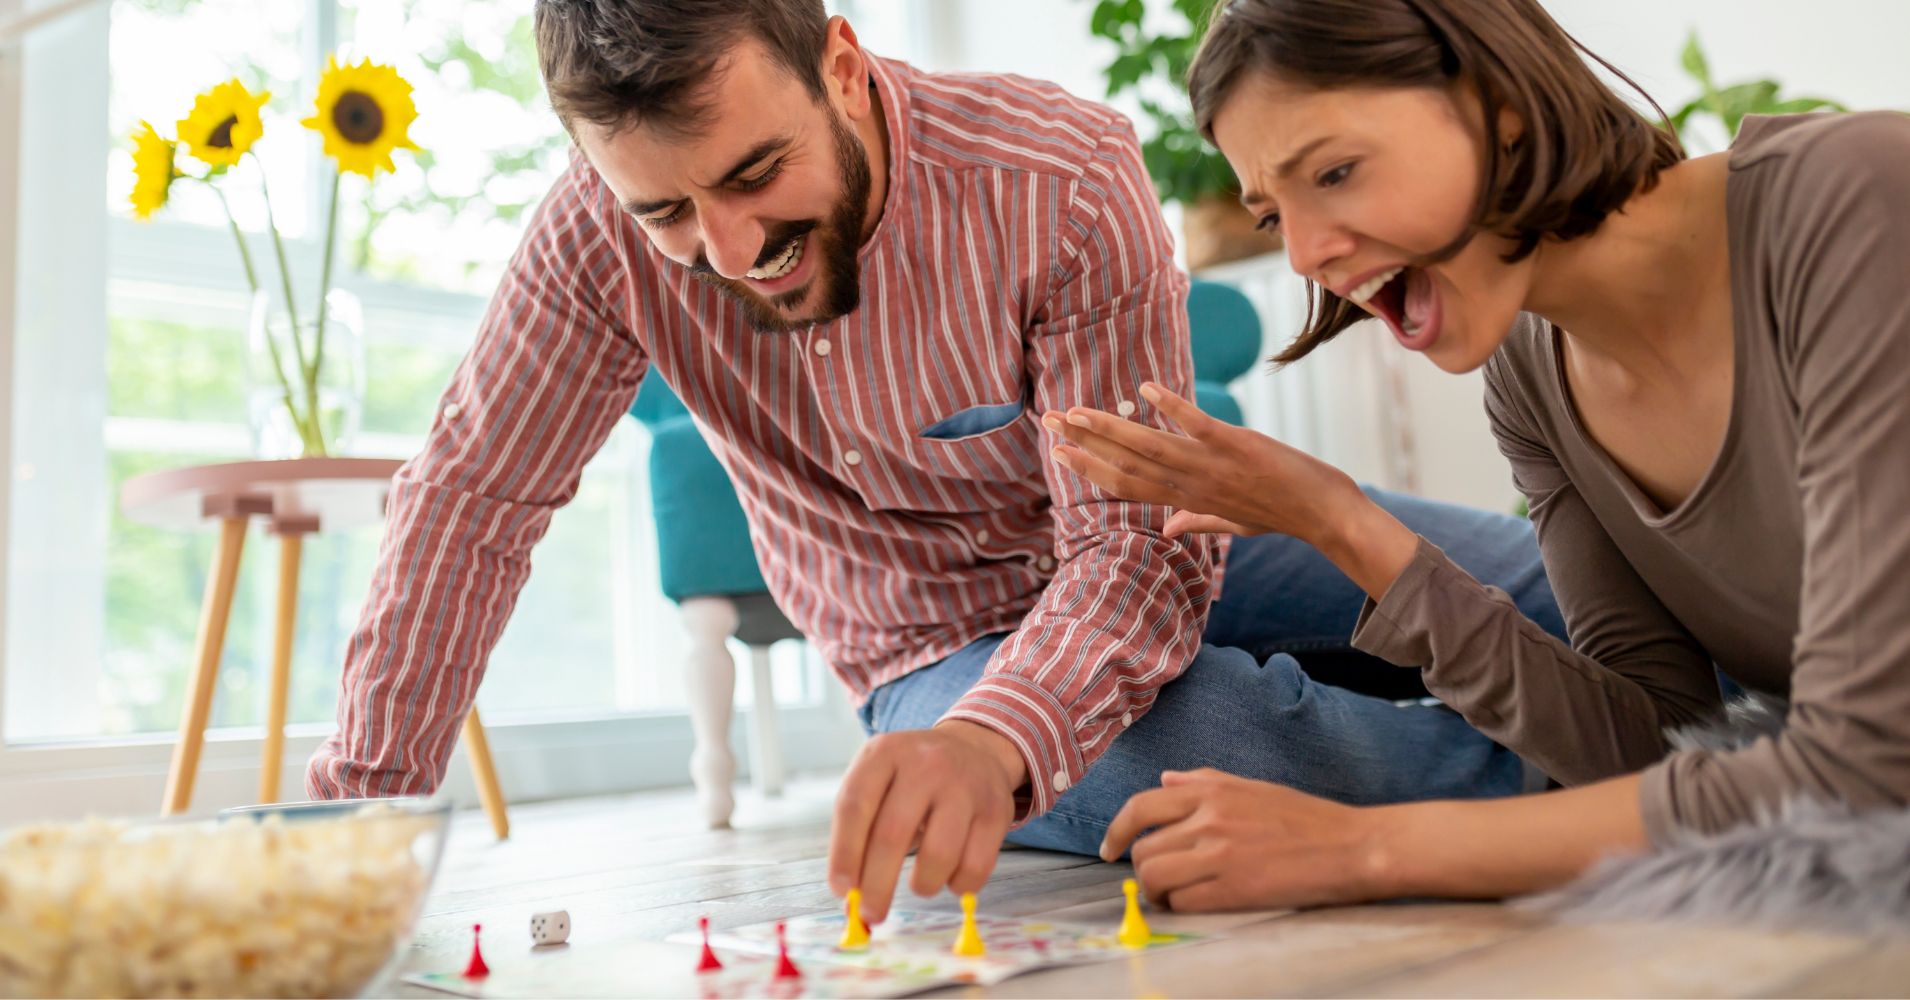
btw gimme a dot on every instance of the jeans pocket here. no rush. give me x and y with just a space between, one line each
974 420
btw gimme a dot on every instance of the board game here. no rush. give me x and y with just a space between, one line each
915 945
654 969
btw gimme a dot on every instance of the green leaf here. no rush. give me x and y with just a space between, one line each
1798 105
1694 61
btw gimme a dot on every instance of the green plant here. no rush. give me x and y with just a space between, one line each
1184 166
1729 104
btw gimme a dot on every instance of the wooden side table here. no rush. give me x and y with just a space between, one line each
294 497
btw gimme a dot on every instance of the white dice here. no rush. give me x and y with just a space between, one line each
550 928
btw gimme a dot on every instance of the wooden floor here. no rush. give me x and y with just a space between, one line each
639 867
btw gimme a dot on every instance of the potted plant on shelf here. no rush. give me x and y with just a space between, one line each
1729 104
1152 62
306 367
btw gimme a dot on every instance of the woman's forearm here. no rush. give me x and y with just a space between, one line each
1367 543
1503 847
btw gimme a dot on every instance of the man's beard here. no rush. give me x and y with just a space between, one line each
837 240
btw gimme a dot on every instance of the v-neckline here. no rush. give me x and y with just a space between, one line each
1649 511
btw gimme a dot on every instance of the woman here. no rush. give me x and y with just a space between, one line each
1700 372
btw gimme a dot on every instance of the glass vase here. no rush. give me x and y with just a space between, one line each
305 394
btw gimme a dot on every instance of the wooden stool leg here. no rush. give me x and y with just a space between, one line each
489 793
213 615
282 633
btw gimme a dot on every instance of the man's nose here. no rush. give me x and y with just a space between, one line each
731 242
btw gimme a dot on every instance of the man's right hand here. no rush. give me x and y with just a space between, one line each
950 789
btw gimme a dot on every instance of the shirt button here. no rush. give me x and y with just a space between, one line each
981 537
1045 563
1127 719
823 347
852 457
451 411
1125 407
1060 782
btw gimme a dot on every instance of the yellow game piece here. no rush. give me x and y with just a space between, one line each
1133 932
969 943
855 933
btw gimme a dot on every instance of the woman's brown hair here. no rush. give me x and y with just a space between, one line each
1584 150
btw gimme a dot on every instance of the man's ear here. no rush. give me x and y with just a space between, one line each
845 70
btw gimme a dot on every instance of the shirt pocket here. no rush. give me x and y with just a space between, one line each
974 421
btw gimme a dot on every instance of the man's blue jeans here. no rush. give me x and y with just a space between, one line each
1245 705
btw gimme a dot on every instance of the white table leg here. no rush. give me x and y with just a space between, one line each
766 746
711 683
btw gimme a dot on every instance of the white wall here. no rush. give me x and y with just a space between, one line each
1851 50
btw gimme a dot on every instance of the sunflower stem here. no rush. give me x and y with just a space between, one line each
324 295
252 280
308 427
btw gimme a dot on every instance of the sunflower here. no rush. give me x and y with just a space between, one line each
224 123
152 171
363 113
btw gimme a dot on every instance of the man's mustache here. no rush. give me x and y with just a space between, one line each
773 247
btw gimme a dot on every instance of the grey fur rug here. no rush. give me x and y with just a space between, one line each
1809 867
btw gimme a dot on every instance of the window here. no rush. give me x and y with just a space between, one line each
128 357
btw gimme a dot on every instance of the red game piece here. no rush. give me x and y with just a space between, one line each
708 962
785 969
477 969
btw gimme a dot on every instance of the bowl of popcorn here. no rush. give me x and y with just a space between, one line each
311 900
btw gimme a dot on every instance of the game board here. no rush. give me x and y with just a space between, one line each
653 969
915 944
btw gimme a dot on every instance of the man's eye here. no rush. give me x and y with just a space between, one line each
1268 223
759 181
1336 176
665 221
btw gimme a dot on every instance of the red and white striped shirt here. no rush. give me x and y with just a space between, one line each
1020 259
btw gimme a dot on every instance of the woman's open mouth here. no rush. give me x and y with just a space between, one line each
1408 300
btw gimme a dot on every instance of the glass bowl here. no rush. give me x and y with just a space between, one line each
309 899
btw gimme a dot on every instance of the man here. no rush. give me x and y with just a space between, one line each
868 282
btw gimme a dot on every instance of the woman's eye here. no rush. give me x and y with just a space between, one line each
1336 176
1268 223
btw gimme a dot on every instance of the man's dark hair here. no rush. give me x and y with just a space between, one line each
619 64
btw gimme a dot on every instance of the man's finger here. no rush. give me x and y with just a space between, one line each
942 841
894 829
979 855
1152 808
857 803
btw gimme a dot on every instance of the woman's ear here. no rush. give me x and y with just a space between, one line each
1511 129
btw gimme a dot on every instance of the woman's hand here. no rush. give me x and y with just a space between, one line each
1222 478
1221 842
1218 477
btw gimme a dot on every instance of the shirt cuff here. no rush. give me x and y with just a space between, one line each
1036 723
1393 628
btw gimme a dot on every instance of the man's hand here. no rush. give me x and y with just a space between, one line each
950 789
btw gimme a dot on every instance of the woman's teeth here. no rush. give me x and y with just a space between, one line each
1365 292
784 263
